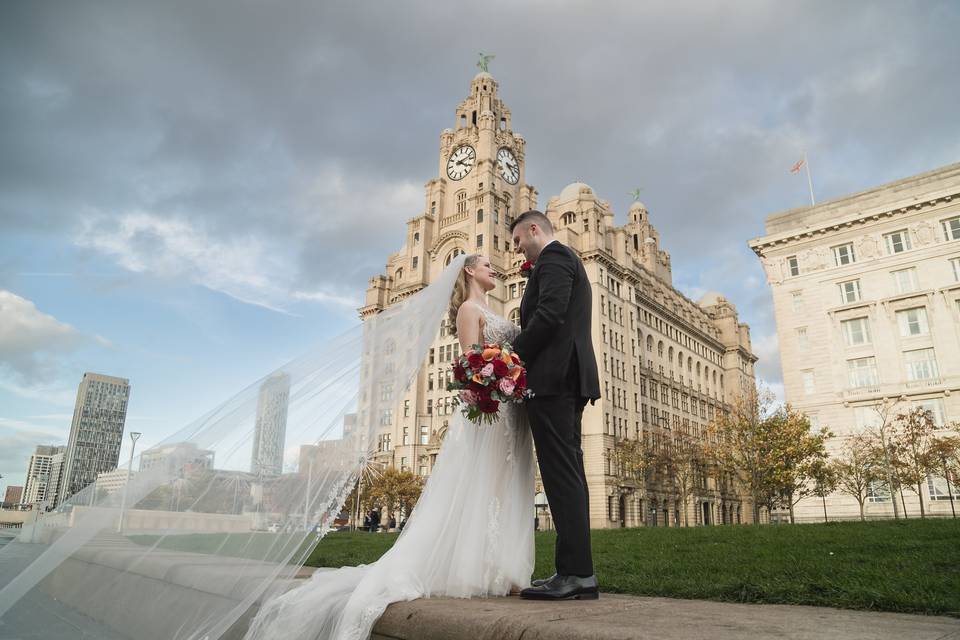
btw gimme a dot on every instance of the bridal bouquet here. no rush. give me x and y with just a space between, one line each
485 376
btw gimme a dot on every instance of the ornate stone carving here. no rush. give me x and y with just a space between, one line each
925 233
867 247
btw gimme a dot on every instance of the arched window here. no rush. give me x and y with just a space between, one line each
660 348
568 218
398 275
416 237
689 364
649 343
670 356
461 202
453 254
479 216
515 316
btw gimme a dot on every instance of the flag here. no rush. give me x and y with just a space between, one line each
796 168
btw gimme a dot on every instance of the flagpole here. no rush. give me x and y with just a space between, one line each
806 163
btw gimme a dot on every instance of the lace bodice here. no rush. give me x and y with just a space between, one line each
497 328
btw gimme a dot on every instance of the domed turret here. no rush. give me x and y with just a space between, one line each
574 190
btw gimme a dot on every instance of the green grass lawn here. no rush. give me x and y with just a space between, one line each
907 566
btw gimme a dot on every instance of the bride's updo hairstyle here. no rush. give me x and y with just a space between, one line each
460 290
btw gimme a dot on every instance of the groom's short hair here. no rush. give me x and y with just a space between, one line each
533 217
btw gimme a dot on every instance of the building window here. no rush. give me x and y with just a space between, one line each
793 266
955 265
479 240
905 280
862 372
913 322
479 216
416 237
808 383
937 486
453 254
849 291
429 406
856 331
423 470
921 364
515 316
461 202
797 298
877 491
898 241
934 407
424 434
416 261
951 228
802 342
843 254
406 408
433 207
406 440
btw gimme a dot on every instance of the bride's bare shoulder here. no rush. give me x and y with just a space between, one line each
469 310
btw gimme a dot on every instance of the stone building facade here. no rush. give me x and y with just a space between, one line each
668 364
866 291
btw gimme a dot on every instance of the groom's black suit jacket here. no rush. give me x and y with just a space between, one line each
555 319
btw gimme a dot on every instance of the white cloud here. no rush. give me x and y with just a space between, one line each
31 340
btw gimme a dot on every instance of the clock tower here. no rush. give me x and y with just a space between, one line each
479 188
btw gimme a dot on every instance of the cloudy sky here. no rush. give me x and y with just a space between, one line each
192 192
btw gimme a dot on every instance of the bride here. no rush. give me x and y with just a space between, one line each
471 533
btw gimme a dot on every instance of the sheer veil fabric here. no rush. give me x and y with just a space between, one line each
206 528
470 534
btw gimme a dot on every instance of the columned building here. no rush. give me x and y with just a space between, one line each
668 364
96 431
866 291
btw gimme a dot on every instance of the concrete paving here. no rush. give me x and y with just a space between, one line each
616 617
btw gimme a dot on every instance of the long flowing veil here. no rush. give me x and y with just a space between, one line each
224 512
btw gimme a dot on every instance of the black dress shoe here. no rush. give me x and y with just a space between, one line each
564 588
542 581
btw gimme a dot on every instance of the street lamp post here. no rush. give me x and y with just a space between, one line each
134 436
540 502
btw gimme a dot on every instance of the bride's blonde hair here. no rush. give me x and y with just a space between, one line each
460 291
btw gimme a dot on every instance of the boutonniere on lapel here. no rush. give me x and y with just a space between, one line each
526 269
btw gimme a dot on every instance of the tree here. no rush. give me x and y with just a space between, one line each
882 434
794 450
915 433
854 468
945 453
396 490
741 443
823 478
679 462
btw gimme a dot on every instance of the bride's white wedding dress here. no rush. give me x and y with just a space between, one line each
471 534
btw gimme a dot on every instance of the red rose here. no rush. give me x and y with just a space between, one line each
476 360
483 392
522 381
488 405
459 373
526 268
500 368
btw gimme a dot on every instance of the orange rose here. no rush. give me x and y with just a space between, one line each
477 378
516 373
506 358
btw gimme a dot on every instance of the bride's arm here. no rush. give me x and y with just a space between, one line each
469 326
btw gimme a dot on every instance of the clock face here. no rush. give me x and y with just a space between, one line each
508 166
461 161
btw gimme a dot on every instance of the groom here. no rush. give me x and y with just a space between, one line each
556 345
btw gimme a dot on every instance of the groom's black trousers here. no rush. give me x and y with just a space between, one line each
555 422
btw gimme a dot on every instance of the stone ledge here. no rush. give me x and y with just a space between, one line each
617 617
